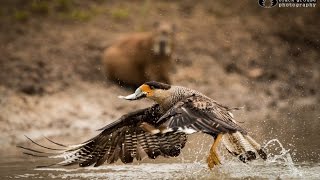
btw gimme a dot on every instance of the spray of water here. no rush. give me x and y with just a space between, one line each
279 164
278 154
193 166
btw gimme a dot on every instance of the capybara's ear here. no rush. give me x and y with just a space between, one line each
156 24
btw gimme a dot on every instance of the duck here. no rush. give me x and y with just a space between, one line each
159 130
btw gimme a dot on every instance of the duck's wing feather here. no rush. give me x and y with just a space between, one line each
122 139
198 114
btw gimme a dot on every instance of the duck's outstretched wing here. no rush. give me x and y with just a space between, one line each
122 139
199 114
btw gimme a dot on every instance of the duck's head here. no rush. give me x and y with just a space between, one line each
156 91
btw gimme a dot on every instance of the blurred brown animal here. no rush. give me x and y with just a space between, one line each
141 57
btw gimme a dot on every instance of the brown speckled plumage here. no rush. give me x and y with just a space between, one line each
160 130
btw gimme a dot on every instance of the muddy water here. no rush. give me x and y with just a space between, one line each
19 169
278 166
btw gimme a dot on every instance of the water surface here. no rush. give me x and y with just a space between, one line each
189 165
18 169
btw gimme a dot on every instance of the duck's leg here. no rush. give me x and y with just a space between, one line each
213 158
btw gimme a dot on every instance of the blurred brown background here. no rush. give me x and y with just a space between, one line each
238 53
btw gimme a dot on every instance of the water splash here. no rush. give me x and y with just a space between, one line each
278 154
278 166
194 155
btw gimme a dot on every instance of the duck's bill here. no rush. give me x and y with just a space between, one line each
138 94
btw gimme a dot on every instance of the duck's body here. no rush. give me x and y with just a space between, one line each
161 130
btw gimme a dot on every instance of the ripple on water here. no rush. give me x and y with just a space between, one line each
278 165
186 171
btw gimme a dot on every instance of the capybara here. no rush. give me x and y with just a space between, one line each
141 57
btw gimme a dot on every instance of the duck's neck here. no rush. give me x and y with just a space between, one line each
174 95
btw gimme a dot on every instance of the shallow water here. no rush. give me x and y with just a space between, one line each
230 170
278 166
